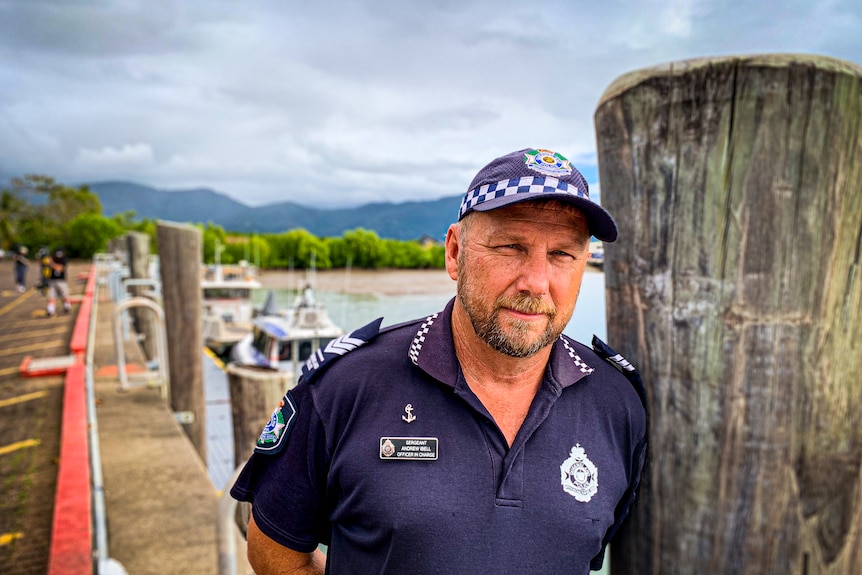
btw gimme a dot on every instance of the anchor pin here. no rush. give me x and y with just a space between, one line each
409 418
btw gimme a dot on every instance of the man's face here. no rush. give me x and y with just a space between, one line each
519 271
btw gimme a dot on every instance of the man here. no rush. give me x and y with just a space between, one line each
57 286
22 264
477 440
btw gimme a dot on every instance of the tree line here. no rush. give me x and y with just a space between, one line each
38 212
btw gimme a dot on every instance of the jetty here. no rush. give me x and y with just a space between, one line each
93 478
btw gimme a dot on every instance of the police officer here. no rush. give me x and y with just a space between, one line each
477 440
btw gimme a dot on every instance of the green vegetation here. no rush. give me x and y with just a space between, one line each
36 211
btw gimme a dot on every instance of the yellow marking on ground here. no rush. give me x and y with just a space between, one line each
34 333
214 357
7 538
7 293
22 398
35 322
16 302
23 348
9 371
18 445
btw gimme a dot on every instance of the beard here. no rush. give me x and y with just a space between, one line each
516 338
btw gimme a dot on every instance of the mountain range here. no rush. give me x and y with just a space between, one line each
402 221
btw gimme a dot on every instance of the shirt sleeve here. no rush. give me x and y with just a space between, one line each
287 488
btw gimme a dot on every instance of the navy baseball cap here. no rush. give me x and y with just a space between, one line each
532 174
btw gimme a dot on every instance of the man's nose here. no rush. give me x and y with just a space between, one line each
534 276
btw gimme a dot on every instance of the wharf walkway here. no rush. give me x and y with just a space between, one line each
161 505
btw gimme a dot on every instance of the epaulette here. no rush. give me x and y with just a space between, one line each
336 348
604 351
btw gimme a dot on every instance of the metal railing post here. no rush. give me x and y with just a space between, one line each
226 528
161 344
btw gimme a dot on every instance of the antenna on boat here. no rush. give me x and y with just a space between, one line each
312 276
290 284
347 267
218 250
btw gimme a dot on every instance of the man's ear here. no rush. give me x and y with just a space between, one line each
453 246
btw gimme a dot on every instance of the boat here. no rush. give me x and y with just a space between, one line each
285 339
597 255
227 305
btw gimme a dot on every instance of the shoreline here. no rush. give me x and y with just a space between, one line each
363 281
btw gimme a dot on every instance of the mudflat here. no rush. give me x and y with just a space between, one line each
362 281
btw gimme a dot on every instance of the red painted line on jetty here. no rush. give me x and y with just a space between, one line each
71 540
78 344
71 547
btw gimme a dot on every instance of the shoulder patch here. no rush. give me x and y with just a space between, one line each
274 435
605 352
338 347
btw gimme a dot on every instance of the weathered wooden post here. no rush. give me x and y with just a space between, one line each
736 288
139 259
254 395
180 268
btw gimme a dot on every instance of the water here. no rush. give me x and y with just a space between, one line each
351 311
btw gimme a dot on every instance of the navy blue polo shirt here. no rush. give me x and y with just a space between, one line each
387 456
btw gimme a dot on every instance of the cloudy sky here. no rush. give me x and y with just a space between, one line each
344 103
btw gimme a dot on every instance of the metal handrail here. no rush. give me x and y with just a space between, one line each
161 344
128 282
226 528
105 565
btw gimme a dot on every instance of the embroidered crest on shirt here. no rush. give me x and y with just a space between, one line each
275 433
579 475
548 163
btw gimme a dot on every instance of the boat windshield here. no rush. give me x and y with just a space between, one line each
226 293
305 348
284 350
259 340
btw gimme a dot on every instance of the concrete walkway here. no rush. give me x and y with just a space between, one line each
161 505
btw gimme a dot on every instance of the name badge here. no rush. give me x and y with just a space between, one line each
408 448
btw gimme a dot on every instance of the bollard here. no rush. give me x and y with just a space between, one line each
735 288
139 256
254 394
180 265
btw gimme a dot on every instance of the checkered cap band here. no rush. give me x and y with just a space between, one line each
526 185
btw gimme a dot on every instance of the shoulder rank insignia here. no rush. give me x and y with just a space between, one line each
275 433
622 364
321 358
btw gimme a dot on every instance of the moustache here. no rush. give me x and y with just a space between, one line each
526 304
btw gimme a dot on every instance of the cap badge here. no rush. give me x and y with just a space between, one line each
579 475
548 163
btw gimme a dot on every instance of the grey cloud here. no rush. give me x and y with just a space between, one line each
344 101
